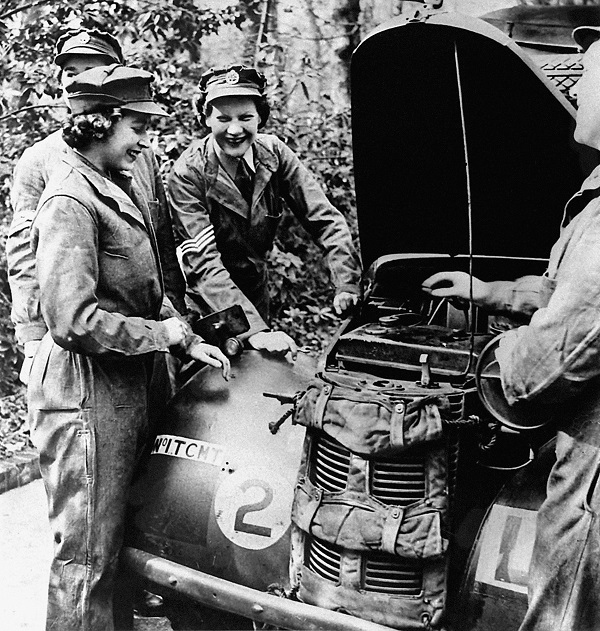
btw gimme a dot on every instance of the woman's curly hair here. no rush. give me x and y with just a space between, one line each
80 130
262 107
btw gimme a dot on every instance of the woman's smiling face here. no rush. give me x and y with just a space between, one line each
121 149
233 121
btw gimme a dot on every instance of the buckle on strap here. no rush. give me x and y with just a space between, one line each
397 424
391 527
321 404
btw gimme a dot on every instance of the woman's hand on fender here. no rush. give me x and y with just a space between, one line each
212 356
457 285
176 330
276 342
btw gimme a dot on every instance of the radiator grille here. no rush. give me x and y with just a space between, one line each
323 559
382 573
564 71
397 481
400 482
391 575
330 464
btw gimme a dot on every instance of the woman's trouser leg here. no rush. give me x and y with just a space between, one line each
87 457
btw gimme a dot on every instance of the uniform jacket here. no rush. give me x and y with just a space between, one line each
223 244
557 354
98 266
30 177
101 295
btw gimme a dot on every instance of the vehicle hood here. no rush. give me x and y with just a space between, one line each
544 27
461 145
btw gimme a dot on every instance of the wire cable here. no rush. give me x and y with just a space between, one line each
469 210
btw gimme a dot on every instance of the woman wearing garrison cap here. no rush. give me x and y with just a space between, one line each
227 193
555 360
102 299
76 51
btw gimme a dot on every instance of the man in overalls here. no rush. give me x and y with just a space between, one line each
555 360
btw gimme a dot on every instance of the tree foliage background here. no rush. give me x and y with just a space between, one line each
304 48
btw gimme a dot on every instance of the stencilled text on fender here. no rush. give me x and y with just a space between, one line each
188 448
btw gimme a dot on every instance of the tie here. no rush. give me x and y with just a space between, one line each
244 181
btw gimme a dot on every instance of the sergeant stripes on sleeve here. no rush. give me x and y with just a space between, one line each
198 243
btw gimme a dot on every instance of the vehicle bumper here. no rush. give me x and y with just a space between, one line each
218 593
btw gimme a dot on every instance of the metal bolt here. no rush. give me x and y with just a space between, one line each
172 580
256 608
232 347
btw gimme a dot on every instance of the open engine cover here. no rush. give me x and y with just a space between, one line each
461 144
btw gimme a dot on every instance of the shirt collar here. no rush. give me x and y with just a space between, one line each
231 163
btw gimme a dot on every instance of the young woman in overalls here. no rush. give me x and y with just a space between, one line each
102 298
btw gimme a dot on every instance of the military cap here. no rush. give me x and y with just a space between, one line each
86 42
585 36
116 86
236 80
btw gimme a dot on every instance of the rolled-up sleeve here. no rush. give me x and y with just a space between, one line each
65 242
320 218
521 297
554 356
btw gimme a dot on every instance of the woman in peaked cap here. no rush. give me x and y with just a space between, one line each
76 51
102 299
227 194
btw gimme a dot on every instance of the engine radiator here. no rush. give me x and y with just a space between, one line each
369 524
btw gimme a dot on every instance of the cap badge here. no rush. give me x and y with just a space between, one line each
232 77
83 38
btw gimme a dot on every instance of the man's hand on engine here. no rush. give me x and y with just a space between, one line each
457 285
212 356
276 342
344 302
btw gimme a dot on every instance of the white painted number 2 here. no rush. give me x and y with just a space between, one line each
252 507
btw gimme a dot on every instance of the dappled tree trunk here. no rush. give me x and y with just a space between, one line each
348 16
267 50
251 28
260 29
316 34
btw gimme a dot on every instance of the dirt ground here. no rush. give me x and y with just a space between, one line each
25 549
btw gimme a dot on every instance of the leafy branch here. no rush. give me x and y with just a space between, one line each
23 7
14 113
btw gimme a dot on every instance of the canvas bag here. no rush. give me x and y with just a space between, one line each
372 422
367 419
